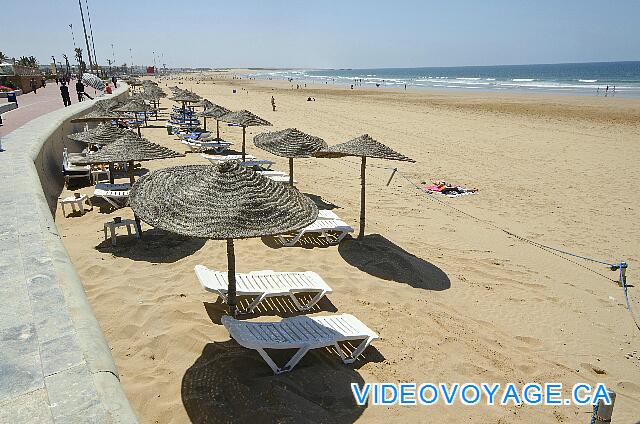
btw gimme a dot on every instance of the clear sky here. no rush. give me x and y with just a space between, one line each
328 34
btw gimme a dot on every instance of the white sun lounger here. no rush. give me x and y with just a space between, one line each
302 333
115 194
327 214
280 178
216 146
215 159
263 284
333 230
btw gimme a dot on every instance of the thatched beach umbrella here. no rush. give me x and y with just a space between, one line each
363 146
185 97
98 115
222 202
136 105
214 111
289 143
102 134
245 119
128 149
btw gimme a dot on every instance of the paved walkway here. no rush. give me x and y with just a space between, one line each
32 105
55 366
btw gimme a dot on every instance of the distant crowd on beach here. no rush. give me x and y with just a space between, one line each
606 91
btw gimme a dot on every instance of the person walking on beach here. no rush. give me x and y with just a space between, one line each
606 91
34 86
114 80
273 103
80 90
64 92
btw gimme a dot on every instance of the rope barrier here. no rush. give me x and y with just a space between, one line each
621 267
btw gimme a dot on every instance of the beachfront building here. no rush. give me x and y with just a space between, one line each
18 76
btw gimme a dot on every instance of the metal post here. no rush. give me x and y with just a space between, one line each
93 44
602 413
243 142
291 172
231 294
391 177
131 176
363 168
85 35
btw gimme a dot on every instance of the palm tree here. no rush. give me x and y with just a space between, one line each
81 65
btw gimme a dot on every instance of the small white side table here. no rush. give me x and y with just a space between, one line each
112 225
75 203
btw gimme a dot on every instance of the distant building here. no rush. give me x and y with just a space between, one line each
19 76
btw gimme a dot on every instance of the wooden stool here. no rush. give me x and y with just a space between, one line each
73 201
112 225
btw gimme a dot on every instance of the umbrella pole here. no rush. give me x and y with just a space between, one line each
138 225
244 130
217 130
139 132
205 123
363 168
131 177
291 172
231 293
111 172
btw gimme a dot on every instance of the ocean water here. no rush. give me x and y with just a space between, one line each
565 78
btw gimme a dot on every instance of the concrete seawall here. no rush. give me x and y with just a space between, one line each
55 365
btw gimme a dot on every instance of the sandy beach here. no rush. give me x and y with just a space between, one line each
453 297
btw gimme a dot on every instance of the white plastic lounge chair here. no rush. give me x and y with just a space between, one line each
115 194
333 230
270 173
216 159
199 146
327 214
302 333
280 178
264 284
69 170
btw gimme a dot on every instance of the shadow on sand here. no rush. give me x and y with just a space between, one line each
274 306
321 203
382 258
308 241
155 246
231 384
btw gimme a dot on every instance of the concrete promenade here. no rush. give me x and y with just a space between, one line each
55 366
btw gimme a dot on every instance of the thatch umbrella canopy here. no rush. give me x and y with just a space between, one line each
245 119
102 134
214 111
204 103
128 149
290 143
98 115
363 146
135 105
108 104
184 97
222 202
